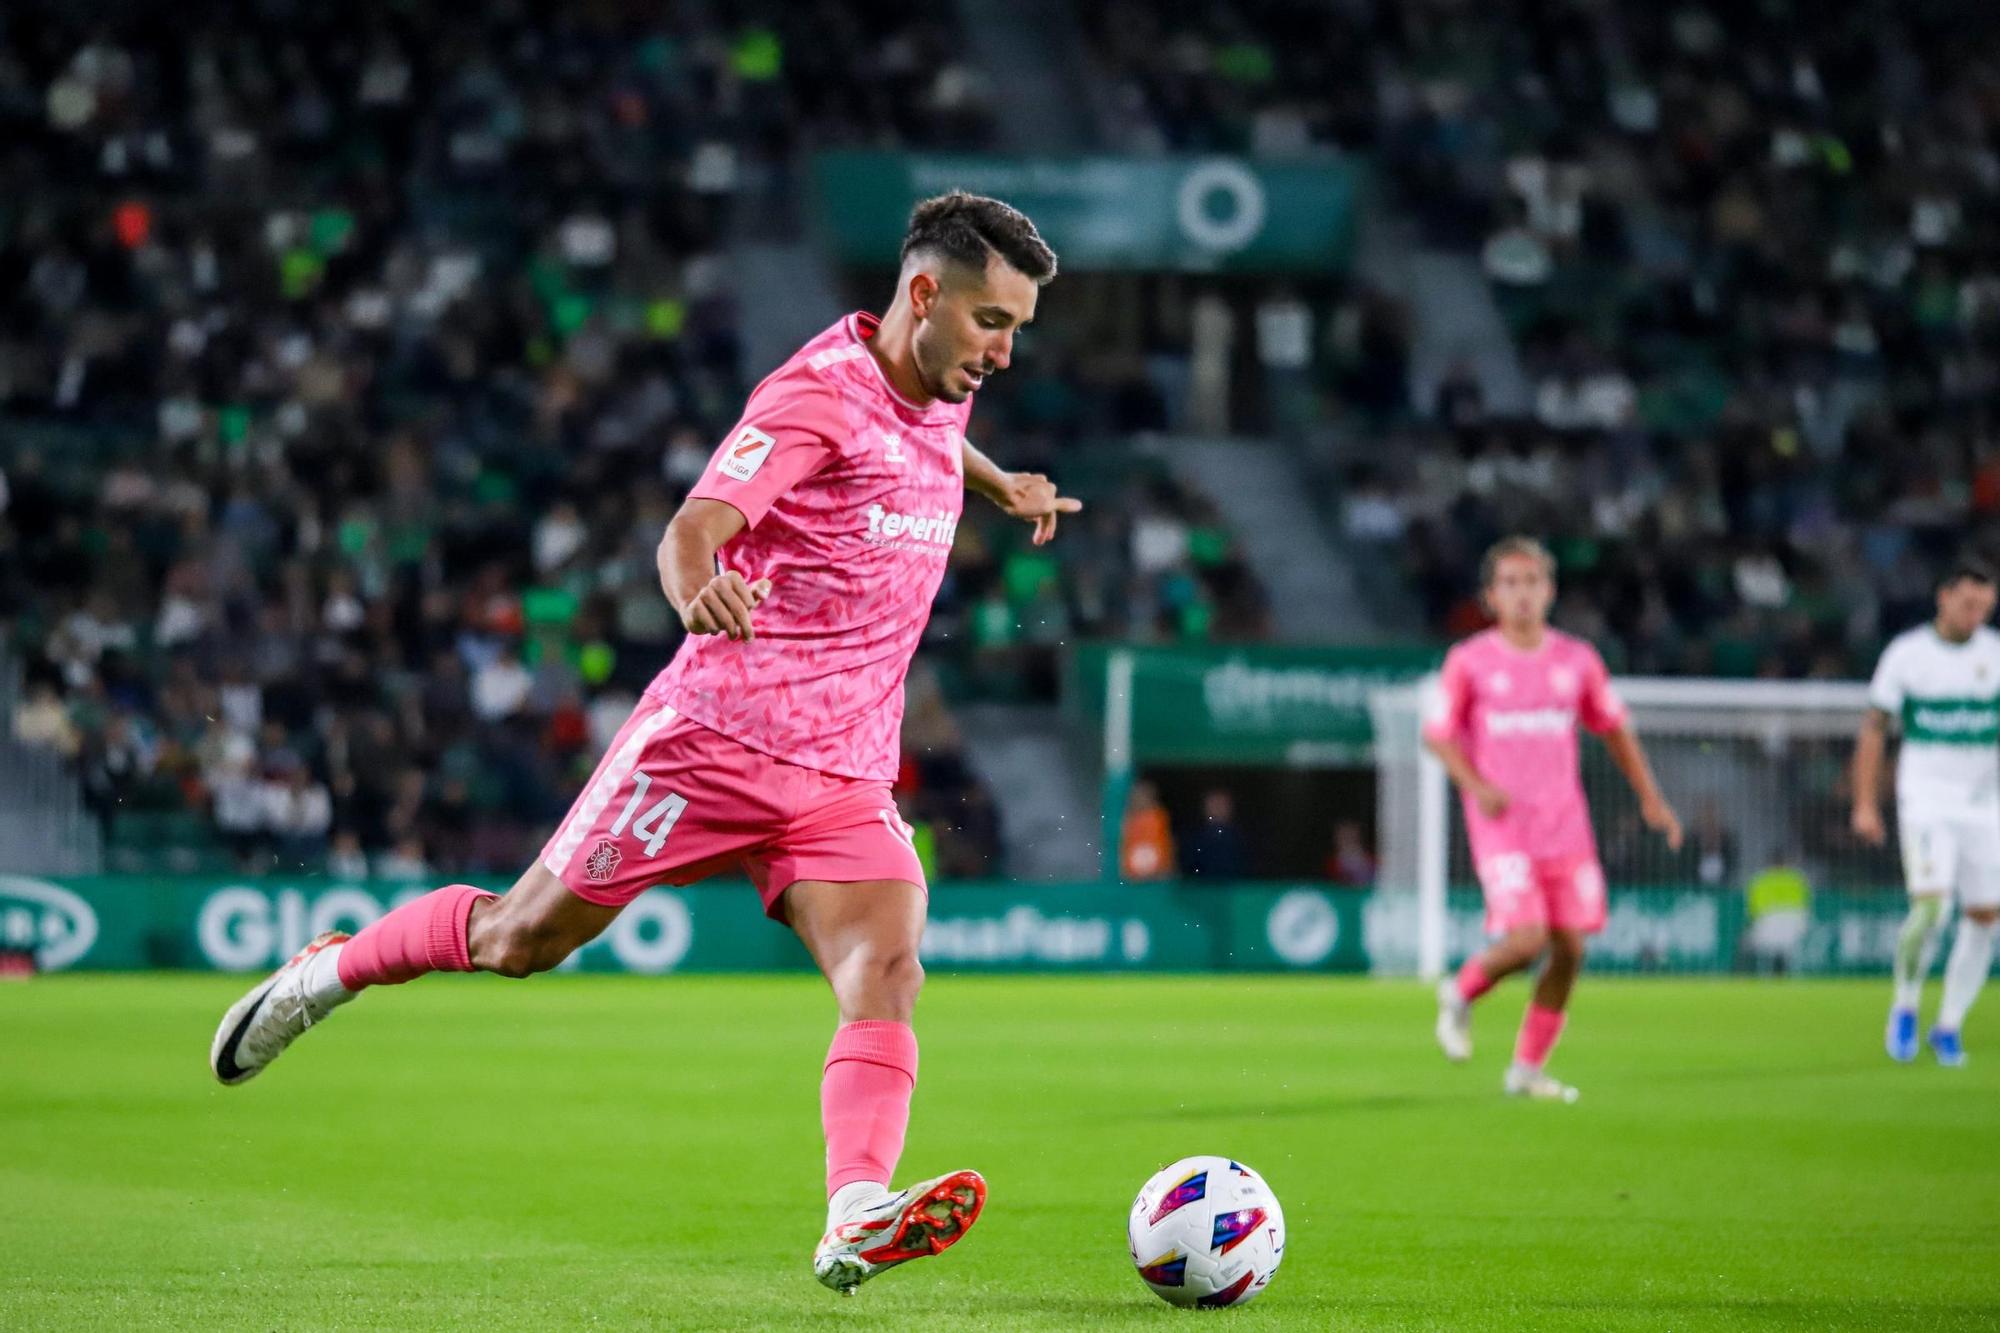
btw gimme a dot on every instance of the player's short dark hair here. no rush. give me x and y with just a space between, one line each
1968 569
1489 564
966 228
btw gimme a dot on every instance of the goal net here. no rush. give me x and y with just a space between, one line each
1770 877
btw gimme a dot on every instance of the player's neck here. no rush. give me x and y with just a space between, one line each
1528 638
894 349
1938 628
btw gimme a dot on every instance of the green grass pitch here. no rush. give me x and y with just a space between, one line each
610 1152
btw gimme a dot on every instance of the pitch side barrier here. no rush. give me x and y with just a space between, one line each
248 925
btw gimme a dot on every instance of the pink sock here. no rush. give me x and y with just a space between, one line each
427 935
864 1100
1539 1030
1473 981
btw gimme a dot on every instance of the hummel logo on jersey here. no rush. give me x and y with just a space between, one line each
746 453
885 526
895 442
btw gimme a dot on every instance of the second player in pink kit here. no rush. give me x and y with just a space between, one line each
1505 723
803 565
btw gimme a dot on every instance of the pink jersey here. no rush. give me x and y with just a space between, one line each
853 495
1515 715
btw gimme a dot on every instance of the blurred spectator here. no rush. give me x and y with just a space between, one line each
1215 846
1709 855
42 721
1146 839
297 814
345 859
1779 902
116 761
404 861
1350 863
238 811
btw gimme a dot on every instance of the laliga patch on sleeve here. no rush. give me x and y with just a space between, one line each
746 453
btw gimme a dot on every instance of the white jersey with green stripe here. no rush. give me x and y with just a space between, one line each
1945 697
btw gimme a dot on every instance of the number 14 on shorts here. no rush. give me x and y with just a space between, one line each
657 822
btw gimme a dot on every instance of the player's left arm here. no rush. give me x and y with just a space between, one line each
1604 713
1630 756
1024 495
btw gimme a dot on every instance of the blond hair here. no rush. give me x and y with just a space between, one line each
1489 564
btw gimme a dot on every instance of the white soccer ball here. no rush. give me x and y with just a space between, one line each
1206 1231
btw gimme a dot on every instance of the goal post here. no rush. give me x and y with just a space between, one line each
1770 877
1118 773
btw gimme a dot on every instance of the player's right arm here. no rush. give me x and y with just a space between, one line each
1885 700
1492 800
784 437
708 602
1451 714
1869 746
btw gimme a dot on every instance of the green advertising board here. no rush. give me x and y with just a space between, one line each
112 922
1151 214
1263 705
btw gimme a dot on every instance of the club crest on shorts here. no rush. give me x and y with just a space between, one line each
603 861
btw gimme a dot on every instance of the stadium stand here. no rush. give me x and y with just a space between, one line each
349 373
1749 260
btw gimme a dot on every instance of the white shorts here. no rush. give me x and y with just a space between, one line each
1958 855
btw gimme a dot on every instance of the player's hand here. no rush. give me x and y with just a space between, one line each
1660 818
1034 498
1867 824
723 606
1492 800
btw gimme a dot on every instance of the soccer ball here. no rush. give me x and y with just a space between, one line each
1206 1231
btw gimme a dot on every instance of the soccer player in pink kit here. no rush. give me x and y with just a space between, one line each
803 564
1505 728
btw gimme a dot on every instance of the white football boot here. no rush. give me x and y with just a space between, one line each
258 1027
1523 1081
1454 1025
921 1221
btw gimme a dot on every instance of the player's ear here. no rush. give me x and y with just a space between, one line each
924 290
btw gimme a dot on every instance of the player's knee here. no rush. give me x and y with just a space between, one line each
1984 916
881 981
1566 948
897 975
1526 943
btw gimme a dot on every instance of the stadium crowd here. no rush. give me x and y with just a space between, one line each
1750 261
350 371
1750 258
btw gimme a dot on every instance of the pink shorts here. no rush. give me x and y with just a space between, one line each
673 802
1560 893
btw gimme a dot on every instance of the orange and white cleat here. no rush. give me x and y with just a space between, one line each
258 1027
921 1221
